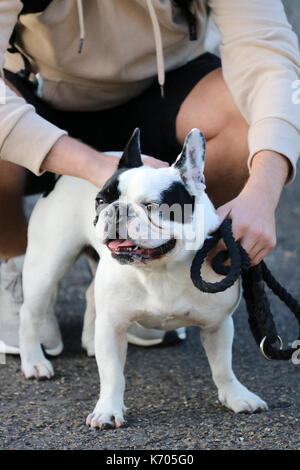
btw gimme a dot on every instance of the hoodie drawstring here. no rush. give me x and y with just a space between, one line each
81 25
157 40
158 46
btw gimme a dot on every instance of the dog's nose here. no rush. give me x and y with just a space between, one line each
124 210
123 213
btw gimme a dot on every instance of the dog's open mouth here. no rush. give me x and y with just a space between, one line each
127 251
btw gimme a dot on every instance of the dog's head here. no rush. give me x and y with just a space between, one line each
146 214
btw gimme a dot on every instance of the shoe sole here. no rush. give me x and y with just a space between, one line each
55 351
5 349
16 351
171 337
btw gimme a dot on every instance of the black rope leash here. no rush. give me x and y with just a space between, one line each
239 261
254 279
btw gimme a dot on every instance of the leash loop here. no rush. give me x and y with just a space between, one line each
239 260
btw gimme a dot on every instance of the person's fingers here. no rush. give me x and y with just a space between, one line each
160 163
155 162
224 211
257 246
251 244
259 256
263 248
247 239
220 246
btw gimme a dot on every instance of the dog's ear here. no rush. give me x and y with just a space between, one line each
131 157
190 162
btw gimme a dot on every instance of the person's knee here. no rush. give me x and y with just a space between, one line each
227 154
12 183
226 169
13 224
209 107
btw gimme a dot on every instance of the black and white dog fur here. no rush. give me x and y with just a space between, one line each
143 275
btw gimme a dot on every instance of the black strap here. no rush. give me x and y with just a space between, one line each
253 279
29 6
260 316
185 6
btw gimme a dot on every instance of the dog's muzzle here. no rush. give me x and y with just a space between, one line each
125 251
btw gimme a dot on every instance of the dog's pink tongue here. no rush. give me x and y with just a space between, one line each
114 244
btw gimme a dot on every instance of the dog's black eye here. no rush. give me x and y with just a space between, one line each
100 201
151 206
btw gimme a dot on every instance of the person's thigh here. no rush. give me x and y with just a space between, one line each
209 105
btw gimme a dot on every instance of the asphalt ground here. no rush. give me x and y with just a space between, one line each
172 402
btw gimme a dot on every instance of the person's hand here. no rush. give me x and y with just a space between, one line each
253 210
154 162
253 223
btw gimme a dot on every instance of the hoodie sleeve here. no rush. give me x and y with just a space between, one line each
25 137
261 66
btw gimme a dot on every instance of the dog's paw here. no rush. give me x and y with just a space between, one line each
239 399
38 369
105 417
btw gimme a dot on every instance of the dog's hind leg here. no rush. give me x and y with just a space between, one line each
53 245
41 276
88 332
217 343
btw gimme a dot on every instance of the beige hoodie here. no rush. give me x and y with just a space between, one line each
128 44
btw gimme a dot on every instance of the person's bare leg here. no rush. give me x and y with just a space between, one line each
13 225
210 107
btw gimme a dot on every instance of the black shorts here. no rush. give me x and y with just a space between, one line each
110 129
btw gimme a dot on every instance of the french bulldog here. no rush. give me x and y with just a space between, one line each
149 224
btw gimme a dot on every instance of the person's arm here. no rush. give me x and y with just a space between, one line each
260 62
71 157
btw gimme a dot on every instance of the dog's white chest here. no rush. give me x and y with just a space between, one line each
173 306
165 321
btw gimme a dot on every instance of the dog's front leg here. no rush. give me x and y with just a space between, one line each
217 343
110 348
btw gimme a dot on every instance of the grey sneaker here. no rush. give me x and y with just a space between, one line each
140 336
11 298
